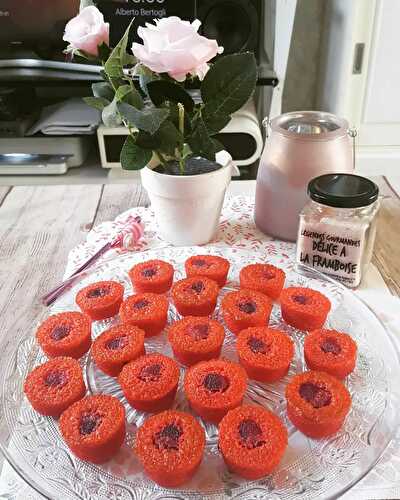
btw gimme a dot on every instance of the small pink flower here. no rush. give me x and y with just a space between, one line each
174 46
87 31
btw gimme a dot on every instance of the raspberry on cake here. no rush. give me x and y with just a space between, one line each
195 296
263 278
317 403
245 308
101 300
54 386
208 266
265 353
153 276
94 428
170 447
148 311
304 308
65 334
330 351
215 387
150 382
252 441
116 347
195 339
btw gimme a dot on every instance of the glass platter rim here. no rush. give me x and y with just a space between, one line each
299 269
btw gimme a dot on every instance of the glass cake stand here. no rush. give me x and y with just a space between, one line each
310 468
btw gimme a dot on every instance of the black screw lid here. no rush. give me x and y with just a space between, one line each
343 190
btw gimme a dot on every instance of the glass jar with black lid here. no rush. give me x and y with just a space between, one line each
338 225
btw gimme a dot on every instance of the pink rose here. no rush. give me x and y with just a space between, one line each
174 46
87 31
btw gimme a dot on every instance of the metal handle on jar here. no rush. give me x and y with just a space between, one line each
266 123
352 132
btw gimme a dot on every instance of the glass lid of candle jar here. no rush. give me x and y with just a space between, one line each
310 125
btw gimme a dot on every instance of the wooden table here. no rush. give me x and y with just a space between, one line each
38 227
40 224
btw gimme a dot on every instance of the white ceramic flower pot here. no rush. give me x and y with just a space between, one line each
188 208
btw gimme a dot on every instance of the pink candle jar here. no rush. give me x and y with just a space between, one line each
299 147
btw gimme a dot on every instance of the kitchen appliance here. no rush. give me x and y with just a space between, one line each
299 147
42 155
29 43
35 24
120 13
31 56
236 24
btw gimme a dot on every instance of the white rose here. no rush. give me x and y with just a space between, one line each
174 46
87 31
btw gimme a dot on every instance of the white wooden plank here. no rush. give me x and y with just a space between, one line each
38 226
4 191
394 182
119 198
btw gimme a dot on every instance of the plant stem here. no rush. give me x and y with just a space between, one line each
160 158
131 133
181 110
182 166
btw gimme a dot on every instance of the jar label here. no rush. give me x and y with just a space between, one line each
335 251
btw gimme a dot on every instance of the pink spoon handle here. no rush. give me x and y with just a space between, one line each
53 295
130 234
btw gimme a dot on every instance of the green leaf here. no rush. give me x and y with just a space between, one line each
149 119
85 3
162 90
123 43
96 102
122 92
186 151
130 95
103 89
110 115
145 76
133 157
147 141
114 65
128 59
116 82
104 51
200 141
214 121
218 146
169 138
166 139
229 83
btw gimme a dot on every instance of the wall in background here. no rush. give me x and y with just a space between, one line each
301 86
